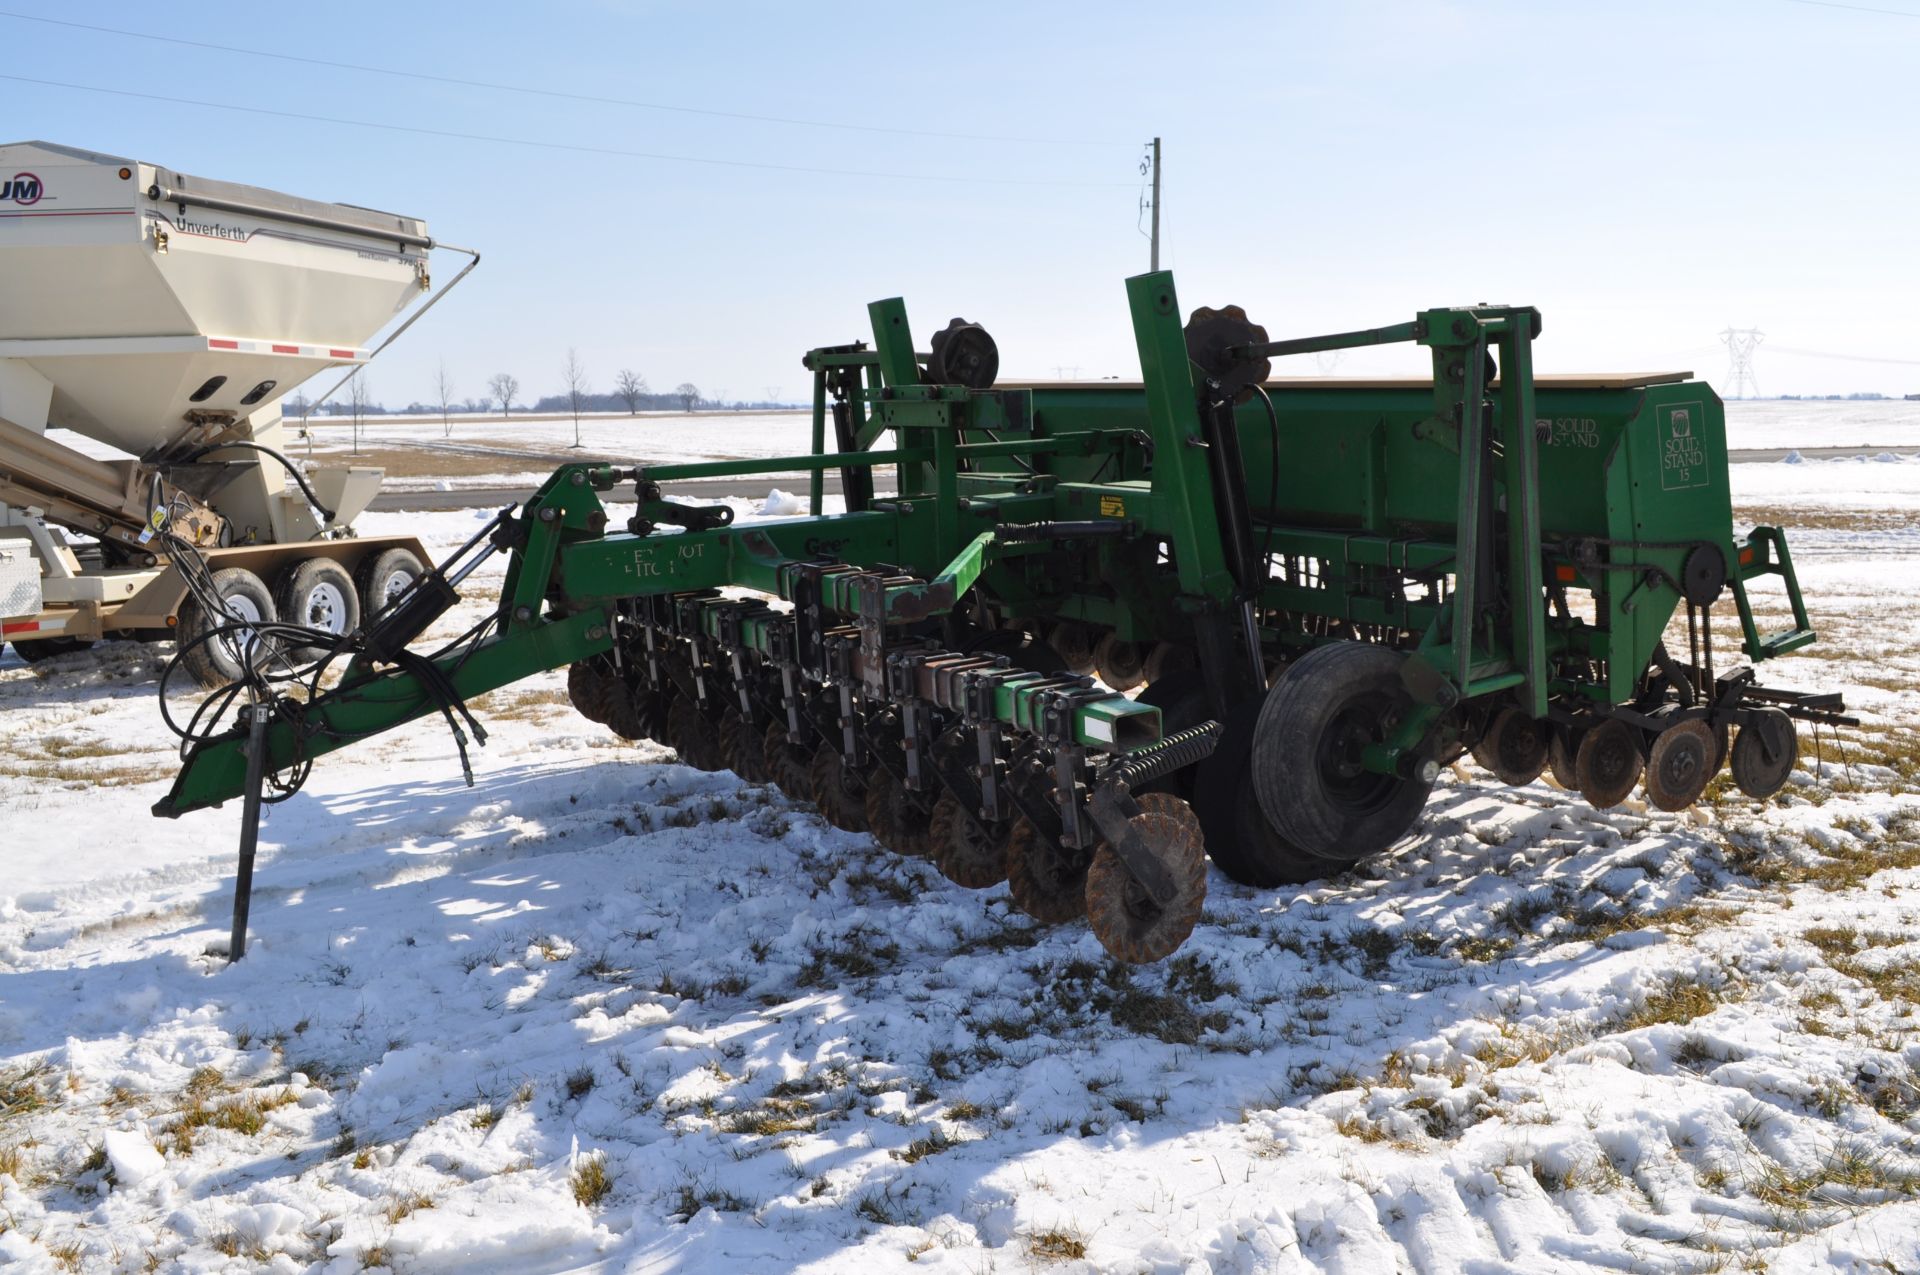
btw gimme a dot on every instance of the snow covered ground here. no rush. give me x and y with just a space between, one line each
605 1012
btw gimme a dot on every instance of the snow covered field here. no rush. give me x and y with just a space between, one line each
605 1012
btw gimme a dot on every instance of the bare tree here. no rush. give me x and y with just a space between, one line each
689 394
629 386
360 398
575 377
443 390
479 404
504 387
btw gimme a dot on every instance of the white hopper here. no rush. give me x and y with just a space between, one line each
132 287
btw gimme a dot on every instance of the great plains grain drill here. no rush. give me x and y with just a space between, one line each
1325 591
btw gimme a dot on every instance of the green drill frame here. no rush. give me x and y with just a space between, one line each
1452 519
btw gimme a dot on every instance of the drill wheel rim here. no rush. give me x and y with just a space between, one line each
1047 880
1681 761
968 853
1127 922
1608 764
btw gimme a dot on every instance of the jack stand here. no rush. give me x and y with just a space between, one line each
257 717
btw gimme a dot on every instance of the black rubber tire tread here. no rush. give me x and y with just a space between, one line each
378 567
1120 664
842 803
1757 775
34 650
1167 659
633 714
1683 758
1514 749
1239 840
967 853
895 816
1608 764
1048 881
743 747
1128 924
588 690
787 764
290 592
210 663
1073 642
692 735
1317 690
1181 697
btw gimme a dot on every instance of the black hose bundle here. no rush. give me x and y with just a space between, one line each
271 674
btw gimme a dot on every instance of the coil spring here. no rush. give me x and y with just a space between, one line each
1176 751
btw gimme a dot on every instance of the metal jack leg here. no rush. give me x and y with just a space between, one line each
257 715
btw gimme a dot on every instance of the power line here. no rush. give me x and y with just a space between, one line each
1857 8
173 100
1846 358
533 91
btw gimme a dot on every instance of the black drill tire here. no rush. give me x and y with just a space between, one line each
1305 773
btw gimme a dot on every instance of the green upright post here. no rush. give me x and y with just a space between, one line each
1526 588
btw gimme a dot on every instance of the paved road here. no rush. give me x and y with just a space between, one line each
756 487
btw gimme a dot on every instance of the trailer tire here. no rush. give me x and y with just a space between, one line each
1333 702
34 650
214 662
321 594
383 577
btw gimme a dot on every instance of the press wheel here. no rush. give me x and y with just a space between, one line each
966 852
895 816
1563 744
1514 748
1121 664
1764 753
840 794
1048 881
1073 642
1680 763
1608 764
1128 923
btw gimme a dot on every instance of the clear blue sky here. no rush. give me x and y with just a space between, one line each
1647 172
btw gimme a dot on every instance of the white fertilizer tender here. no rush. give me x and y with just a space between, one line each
165 317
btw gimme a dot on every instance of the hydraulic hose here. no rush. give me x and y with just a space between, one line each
293 471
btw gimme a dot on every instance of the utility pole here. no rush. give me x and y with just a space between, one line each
1154 258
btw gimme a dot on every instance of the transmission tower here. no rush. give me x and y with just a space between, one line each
1741 343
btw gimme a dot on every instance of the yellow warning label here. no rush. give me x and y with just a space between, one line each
1112 507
